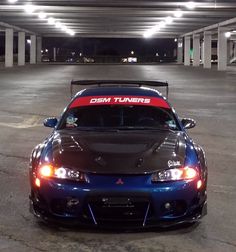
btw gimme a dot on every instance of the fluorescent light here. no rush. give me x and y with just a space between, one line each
178 13
64 28
162 24
155 29
58 25
190 5
168 20
228 34
69 31
12 1
42 15
30 9
51 21
148 34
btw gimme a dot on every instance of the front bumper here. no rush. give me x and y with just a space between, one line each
118 206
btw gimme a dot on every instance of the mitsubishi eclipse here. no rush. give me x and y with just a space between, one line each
118 156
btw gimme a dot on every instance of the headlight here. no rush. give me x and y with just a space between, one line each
186 173
48 171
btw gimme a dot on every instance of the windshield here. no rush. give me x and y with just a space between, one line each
118 117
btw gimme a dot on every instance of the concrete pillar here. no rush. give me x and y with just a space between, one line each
196 49
39 49
174 53
230 50
180 51
222 49
201 51
207 50
21 48
187 51
54 54
234 49
9 39
33 49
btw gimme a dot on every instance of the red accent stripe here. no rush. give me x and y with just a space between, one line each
120 100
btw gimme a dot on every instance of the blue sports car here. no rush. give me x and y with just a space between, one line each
119 156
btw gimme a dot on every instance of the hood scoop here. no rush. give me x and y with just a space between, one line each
119 148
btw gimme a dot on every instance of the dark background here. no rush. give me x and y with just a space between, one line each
112 47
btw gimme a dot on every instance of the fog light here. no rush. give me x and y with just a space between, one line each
37 182
72 202
199 184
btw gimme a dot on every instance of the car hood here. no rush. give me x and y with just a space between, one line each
121 152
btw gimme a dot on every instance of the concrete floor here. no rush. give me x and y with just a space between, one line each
29 94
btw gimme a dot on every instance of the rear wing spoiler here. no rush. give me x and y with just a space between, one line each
120 83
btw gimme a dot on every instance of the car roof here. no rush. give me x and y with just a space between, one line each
114 90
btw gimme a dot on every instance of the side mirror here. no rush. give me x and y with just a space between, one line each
188 123
50 122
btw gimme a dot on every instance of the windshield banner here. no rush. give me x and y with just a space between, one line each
119 100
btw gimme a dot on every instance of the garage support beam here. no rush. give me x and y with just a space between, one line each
180 51
187 51
196 49
207 50
9 39
21 48
222 49
33 49
39 49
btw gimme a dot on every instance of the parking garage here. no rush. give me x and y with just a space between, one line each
31 90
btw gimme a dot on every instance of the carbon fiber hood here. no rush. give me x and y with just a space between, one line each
122 152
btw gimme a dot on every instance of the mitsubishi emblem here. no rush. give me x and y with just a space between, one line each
119 182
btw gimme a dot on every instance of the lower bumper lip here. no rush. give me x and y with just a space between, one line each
74 222
177 194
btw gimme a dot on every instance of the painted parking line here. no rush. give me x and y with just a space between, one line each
31 122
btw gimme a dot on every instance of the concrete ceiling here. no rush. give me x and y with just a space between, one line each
116 18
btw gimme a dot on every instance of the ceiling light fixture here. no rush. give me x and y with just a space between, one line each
69 31
162 24
190 5
51 21
63 28
168 20
156 28
12 1
30 9
178 13
228 34
148 34
58 25
42 15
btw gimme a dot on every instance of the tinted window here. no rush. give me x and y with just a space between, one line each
118 116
